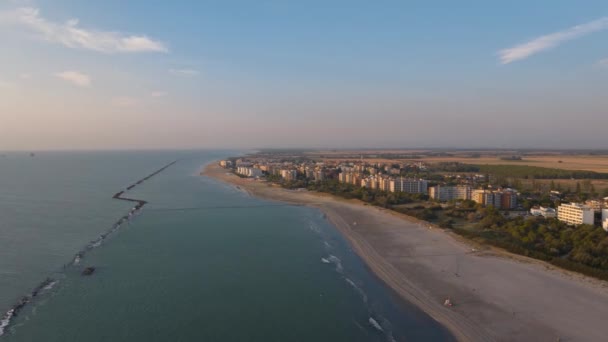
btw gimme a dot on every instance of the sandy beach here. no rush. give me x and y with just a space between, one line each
497 296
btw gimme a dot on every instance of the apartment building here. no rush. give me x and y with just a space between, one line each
249 171
448 193
413 186
575 214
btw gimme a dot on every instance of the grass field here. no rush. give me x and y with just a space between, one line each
568 162
549 159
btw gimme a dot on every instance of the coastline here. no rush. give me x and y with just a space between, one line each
496 295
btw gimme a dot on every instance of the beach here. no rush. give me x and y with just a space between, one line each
496 296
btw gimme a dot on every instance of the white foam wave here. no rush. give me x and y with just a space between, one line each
6 320
358 289
50 285
336 261
375 324
325 261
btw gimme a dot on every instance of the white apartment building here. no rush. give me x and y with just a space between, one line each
413 186
249 171
575 214
448 193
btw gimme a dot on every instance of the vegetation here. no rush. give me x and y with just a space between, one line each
535 172
583 248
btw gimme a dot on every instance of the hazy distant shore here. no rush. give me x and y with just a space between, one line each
496 295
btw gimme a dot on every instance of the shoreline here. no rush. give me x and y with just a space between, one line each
497 295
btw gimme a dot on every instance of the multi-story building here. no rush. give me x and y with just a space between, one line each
483 197
575 214
249 171
502 199
319 175
384 184
448 193
605 219
289 175
508 199
413 186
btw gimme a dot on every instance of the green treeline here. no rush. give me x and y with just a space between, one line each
519 171
530 172
583 248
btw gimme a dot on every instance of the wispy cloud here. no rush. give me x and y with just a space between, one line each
603 63
184 72
159 93
124 101
75 77
25 76
6 85
542 43
71 35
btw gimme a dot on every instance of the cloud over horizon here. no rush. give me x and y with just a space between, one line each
71 35
75 77
549 41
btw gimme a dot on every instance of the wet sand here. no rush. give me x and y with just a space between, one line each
497 296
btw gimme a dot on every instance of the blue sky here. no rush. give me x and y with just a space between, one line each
208 74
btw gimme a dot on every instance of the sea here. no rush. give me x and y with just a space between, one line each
201 261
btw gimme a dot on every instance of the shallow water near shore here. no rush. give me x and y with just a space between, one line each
202 261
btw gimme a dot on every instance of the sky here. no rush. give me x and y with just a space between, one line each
148 74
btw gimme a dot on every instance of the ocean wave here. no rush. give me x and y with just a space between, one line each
383 326
375 324
12 312
6 320
357 289
50 285
336 261
325 261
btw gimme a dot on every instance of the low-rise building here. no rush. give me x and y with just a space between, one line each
575 214
544 212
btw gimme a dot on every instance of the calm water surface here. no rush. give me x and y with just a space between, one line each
202 262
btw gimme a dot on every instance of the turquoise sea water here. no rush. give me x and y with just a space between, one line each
203 261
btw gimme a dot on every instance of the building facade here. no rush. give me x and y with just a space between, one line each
412 186
448 193
575 214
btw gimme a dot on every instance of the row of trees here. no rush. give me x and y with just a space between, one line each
583 248
536 172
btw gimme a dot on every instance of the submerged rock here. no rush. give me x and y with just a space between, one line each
88 271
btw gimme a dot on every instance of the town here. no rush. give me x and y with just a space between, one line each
399 178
